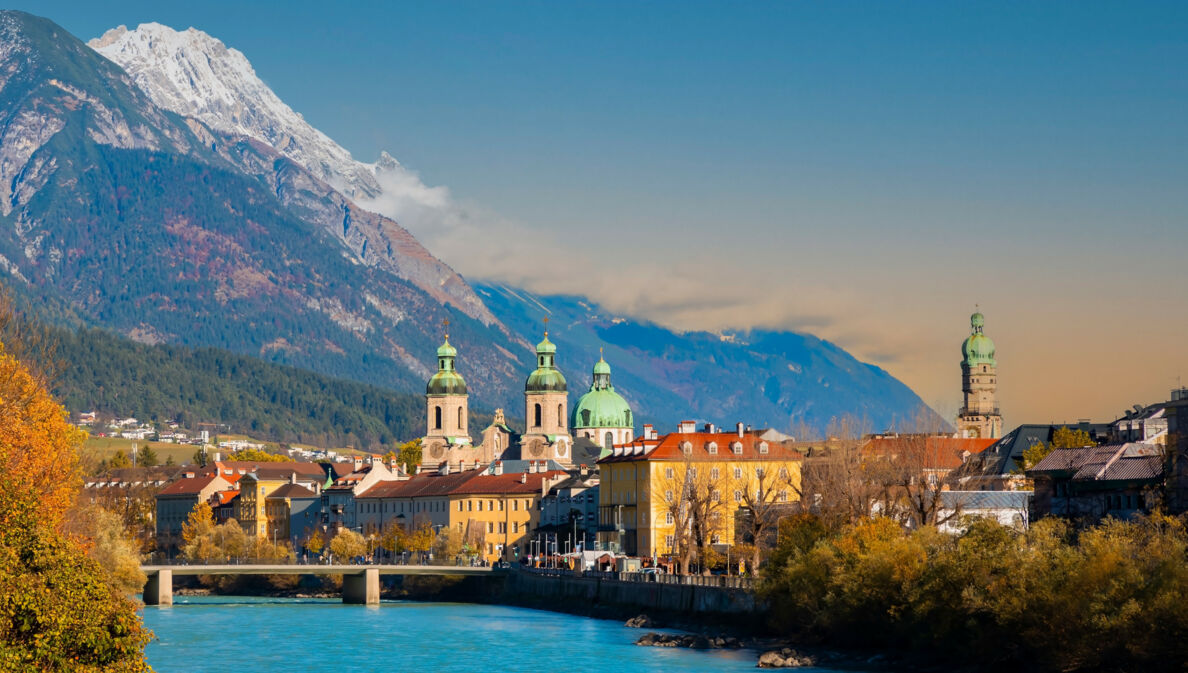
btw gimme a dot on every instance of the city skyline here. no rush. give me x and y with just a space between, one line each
881 171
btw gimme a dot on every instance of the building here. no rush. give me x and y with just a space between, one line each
979 415
602 415
649 485
570 510
293 513
1093 482
1142 424
338 508
1000 466
935 456
1176 412
177 500
1009 508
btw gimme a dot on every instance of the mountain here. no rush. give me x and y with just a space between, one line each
181 202
765 378
136 218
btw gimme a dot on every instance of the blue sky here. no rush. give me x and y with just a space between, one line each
864 171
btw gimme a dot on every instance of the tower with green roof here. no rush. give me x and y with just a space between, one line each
602 415
979 416
546 398
446 410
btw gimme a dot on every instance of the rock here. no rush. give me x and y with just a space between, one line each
640 622
646 639
784 658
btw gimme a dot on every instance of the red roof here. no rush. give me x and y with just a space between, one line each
224 497
936 452
470 482
700 445
191 486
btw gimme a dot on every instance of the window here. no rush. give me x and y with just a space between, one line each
692 472
715 539
716 496
668 496
714 474
436 418
782 496
687 448
783 473
763 448
536 417
668 473
480 502
738 496
736 448
608 440
712 448
490 527
515 505
561 415
668 541
585 418
459 505
515 526
738 473
461 417
668 518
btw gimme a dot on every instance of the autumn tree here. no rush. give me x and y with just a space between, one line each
59 610
766 493
119 460
347 544
198 543
447 545
421 538
1062 438
105 538
259 456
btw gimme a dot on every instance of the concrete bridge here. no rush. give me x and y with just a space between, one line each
360 583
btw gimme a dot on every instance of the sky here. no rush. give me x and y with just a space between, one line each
865 172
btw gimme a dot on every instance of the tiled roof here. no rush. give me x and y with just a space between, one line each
192 486
983 500
225 497
469 482
500 484
671 447
292 491
1115 462
937 453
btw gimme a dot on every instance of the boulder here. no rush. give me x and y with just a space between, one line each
640 622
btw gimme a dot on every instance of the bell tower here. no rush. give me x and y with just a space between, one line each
979 415
546 409
446 410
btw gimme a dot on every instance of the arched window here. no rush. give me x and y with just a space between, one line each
608 440
561 415
586 417
436 418
536 417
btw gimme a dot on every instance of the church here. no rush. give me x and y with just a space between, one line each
551 434
979 417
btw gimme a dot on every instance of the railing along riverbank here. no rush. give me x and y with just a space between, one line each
718 581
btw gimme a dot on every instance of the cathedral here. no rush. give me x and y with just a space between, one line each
979 416
601 418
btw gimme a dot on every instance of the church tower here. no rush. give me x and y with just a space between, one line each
602 415
545 410
979 415
446 410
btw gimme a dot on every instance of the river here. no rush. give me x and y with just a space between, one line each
266 635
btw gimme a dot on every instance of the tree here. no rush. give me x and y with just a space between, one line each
119 460
260 456
1062 438
767 495
447 545
199 457
421 538
58 608
409 453
147 457
393 538
103 535
198 539
347 544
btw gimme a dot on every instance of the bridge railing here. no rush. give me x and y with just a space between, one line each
426 560
720 581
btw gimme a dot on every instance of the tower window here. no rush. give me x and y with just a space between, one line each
461 417
561 415
609 440
536 417
436 418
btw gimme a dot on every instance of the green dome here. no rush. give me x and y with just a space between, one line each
977 349
546 378
602 407
446 381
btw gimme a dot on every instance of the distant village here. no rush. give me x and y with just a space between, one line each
580 488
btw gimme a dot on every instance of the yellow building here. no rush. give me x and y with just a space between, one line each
656 493
251 507
494 511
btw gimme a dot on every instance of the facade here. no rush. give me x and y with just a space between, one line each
602 415
646 484
1177 451
338 508
293 513
1009 508
979 415
1091 483
177 500
936 456
998 468
570 510
494 511
447 434
1142 424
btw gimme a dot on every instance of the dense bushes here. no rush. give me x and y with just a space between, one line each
1110 597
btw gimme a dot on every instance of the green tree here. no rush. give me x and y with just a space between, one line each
119 460
1062 438
447 545
147 457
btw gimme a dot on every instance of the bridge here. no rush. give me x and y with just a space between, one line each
360 583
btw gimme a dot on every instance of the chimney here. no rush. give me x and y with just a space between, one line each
292 477
709 427
687 427
647 431
523 477
740 429
358 463
583 470
498 467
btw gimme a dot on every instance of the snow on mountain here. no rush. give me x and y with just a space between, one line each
196 75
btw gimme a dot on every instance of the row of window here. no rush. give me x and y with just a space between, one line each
715 474
712 448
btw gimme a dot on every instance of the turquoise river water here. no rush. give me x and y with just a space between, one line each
266 635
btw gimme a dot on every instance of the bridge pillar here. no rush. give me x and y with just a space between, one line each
361 588
158 589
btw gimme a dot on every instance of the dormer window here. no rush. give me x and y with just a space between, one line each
687 448
763 448
736 448
712 448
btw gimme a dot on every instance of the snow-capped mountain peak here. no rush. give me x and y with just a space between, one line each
196 75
